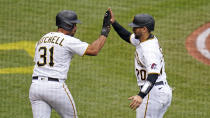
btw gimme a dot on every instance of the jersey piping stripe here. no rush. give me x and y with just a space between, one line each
70 101
154 73
145 113
85 50
147 40
130 39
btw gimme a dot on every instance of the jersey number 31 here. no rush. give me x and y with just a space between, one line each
44 56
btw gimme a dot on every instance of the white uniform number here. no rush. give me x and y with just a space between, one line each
44 56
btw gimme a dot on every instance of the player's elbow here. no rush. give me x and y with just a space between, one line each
92 52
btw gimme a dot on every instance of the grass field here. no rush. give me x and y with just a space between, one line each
101 85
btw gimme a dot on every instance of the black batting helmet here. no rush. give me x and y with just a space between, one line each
141 20
66 19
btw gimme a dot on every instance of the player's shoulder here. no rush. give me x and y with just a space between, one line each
151 41
58 37
72 39
68 38
151 44
133 40
155 42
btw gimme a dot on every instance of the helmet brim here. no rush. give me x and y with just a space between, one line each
76 21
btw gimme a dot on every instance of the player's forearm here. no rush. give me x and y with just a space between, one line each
95 47
122 32
99 43
151 79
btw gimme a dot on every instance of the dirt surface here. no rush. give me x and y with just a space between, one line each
193 49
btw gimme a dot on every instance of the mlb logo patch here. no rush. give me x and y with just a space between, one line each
153 66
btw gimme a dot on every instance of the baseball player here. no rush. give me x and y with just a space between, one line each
155 94
53 54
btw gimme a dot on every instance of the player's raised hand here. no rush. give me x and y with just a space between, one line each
112 19
136 101
106 24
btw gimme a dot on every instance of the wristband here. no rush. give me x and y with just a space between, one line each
105 31
151 79
145 89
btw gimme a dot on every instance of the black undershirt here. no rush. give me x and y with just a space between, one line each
123 33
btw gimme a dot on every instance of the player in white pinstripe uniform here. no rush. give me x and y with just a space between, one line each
155 94
53 54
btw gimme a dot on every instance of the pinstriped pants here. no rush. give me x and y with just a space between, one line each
155 104
46 95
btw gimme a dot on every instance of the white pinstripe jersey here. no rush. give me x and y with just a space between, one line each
54 52
148 59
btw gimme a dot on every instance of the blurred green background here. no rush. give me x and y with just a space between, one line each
101 85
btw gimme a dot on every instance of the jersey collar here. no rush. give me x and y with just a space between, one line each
151 36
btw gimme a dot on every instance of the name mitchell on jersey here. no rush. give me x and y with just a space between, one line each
52 39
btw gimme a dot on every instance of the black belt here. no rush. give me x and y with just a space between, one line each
49 78
159 83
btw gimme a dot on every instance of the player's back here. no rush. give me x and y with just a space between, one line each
53 55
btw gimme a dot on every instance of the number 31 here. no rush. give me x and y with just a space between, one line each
44 56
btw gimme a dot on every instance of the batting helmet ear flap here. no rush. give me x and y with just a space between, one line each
66 26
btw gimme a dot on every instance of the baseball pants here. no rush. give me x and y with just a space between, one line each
155 104
45 95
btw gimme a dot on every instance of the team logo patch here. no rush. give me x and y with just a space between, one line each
153 66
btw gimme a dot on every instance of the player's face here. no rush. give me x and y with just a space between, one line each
138 31
73 30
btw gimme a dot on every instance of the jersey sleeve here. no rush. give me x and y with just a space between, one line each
152 59
133 40
77 47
